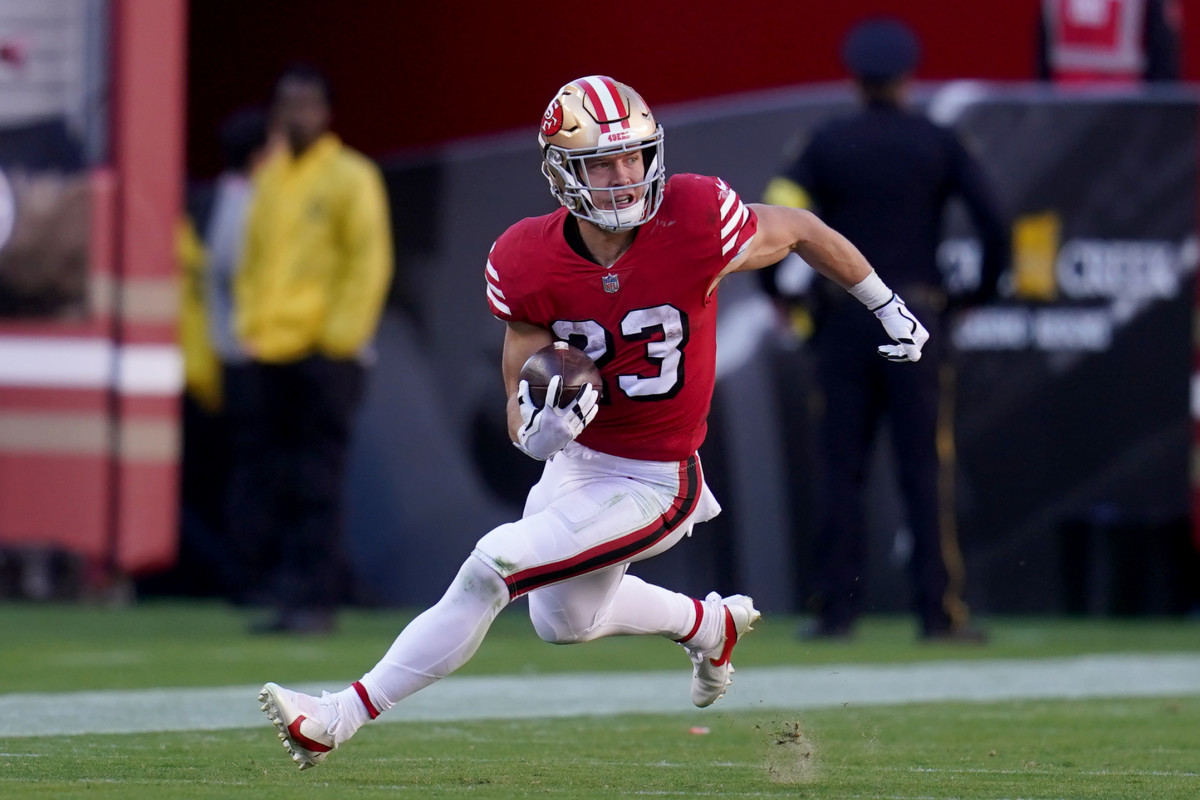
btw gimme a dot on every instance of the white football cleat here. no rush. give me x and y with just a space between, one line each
712 667
303 721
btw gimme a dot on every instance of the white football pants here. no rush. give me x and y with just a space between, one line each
585 521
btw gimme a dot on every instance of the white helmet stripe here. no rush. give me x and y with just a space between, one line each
606 101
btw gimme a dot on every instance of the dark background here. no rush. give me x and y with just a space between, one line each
411 74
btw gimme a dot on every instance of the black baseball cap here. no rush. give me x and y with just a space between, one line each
880 49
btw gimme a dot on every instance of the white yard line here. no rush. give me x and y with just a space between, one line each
593 694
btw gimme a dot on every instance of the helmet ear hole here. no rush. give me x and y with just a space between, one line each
558 175
649 157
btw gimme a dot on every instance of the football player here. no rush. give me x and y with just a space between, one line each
627 271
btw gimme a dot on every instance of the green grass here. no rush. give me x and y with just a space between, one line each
1128 749
56 648
1132 749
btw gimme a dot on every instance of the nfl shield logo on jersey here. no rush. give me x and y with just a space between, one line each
610 282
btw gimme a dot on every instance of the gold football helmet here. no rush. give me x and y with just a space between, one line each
597 116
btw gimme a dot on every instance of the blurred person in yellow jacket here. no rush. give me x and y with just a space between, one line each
207 245
307 298
199 563
204 564
210 559
201 369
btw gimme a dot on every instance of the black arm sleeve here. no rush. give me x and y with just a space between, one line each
984 211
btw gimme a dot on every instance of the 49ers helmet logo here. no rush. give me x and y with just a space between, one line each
553 121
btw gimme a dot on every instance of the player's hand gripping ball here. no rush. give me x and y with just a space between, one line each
567 385
560 358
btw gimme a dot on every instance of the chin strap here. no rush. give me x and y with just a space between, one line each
621 219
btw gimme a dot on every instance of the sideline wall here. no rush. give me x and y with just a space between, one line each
89 370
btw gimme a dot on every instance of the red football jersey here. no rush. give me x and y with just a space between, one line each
647 321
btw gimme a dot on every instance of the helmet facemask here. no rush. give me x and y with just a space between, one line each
591 118
566 170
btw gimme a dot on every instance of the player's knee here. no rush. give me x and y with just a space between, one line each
556 625
477 578
550 632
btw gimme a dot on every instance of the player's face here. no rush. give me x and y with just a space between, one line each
301 112
616 170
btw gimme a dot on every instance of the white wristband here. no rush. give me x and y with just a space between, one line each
871 291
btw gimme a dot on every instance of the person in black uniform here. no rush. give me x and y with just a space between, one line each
883 176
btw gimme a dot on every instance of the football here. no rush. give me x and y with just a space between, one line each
562 359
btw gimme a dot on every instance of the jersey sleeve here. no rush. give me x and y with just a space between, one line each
514 275
498 300
738 223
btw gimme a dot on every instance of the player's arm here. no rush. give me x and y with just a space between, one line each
521 340
783 230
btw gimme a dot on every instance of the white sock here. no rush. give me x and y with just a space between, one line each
352 713
439 641
709 628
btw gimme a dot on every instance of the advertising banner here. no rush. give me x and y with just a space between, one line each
1072 408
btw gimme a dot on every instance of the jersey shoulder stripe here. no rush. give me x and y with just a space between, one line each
735 223
734 216
505 271
495 295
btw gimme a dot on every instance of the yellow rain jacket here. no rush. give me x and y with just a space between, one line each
318 255
201 369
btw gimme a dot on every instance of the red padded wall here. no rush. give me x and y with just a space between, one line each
410 76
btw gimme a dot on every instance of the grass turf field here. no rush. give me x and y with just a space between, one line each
1097 748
